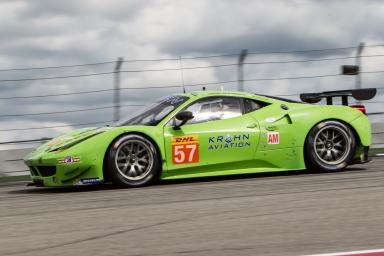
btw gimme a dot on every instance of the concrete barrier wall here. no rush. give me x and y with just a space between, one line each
378 135
11 163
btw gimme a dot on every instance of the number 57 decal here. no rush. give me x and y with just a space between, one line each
185 150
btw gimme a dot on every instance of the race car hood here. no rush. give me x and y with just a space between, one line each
70 138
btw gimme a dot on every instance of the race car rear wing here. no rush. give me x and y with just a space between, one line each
358 94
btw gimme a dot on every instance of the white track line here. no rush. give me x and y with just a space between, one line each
351 253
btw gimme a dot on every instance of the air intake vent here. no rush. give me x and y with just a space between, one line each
46 171
33 171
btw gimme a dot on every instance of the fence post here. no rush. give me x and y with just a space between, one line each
358 64
240 72
116 91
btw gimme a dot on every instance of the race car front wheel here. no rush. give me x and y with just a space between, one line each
329 146
132 161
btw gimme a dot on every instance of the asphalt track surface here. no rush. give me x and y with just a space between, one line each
277 214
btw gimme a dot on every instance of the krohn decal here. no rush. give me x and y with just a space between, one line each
229 141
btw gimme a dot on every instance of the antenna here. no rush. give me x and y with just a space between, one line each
181 73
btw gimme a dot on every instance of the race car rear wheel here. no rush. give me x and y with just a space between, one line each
330 146
133 161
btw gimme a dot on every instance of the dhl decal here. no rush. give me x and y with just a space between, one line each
185 139
185 149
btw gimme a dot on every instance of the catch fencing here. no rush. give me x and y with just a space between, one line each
104 96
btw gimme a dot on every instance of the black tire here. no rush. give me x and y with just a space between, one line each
132 161
329 146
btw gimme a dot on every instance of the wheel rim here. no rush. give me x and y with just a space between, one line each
134 159
332 145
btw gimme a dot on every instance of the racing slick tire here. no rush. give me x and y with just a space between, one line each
329 146
132 161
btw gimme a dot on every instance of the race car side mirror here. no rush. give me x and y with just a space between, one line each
183 116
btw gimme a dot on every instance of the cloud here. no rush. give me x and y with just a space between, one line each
50 33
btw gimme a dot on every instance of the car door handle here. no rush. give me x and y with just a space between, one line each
254 125
271 128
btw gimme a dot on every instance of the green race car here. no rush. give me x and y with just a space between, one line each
208 134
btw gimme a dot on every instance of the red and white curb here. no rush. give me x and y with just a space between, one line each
376 252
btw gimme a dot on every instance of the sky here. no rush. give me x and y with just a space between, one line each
46 33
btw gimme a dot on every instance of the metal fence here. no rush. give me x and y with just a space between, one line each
104 93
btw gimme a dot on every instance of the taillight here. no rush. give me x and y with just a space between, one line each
359 107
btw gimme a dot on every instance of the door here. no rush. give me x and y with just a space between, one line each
219 137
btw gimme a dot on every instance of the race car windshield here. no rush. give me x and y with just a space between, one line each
153 115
